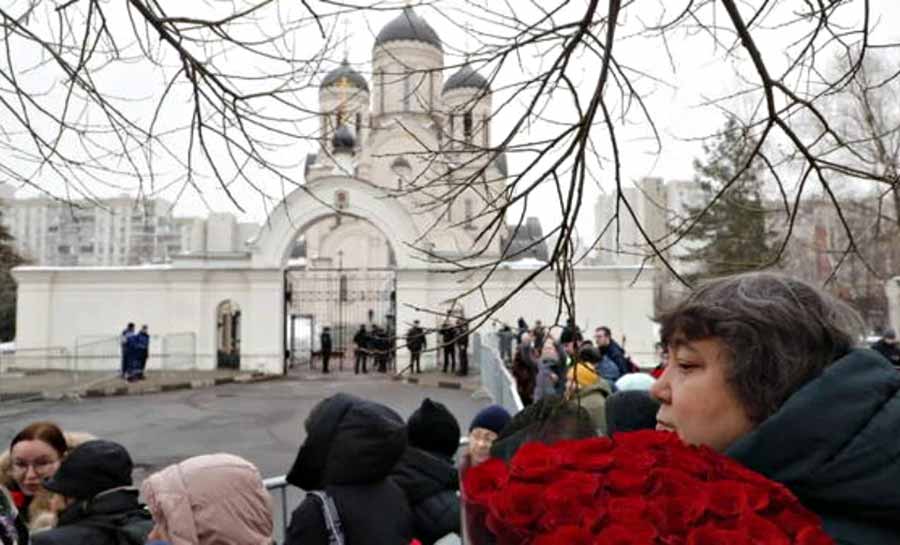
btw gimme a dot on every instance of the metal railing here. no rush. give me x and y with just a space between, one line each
496 379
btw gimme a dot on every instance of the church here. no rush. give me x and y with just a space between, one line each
403 178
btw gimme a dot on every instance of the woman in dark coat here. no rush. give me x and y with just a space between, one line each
765 368
350 449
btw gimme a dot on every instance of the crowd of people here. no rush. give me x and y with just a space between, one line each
760 367
135 347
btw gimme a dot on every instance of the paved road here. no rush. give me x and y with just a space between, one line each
262 422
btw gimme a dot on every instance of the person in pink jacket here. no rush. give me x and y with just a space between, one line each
212 499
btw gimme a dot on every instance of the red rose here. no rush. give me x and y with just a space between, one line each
795 519
676 514
626 482
517 506
534 462
570 535
594 454
570 502
672 482
645 439
481 482
813 535
711 535
633 533
727 498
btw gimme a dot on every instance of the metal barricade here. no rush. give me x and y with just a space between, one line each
496 379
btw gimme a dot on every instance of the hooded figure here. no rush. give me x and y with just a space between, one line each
350 449
216 499
427 475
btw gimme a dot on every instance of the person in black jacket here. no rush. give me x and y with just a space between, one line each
325 347
462 344
99 505
361 340
766 369
427 474
350 449
416 342
448 336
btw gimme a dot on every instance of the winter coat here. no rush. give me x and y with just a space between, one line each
836 444
141 345
325 342
607 369
431 484
13 530
593 399
415 339
36 510
215 499
544 384
615 352
351 447
114 517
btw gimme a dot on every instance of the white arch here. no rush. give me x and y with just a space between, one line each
304 206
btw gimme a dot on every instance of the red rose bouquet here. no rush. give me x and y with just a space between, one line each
639 488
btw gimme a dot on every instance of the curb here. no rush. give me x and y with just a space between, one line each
446 384
118 391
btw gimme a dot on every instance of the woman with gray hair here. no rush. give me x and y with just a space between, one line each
765 368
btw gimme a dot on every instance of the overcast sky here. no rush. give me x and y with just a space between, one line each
692 71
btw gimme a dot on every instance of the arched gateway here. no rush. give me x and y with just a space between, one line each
357 209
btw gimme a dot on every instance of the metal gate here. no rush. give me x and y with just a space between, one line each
342 299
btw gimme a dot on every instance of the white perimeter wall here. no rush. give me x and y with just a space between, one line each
604 296
58 306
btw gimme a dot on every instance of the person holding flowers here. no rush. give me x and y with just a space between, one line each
774 427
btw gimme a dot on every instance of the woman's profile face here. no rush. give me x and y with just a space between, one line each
697 402
32 462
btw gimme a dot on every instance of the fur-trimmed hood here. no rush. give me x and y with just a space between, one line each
39 515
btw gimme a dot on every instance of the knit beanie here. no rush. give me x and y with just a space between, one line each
583 374
630 410
433 428
493 418
590 354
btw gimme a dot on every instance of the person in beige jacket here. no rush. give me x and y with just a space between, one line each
214 499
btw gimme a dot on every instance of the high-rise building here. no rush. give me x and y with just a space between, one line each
621 242
112 232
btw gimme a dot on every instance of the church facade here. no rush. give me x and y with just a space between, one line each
403 178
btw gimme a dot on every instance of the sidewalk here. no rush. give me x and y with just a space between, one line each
54 384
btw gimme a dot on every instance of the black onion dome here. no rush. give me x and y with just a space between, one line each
343 139
408 26
345 71
466 78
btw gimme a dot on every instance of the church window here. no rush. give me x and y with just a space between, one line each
467 127
452 119
431 90
484 131
468 213
358 122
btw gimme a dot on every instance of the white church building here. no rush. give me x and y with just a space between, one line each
376 248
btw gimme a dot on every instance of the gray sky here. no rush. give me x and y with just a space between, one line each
683 72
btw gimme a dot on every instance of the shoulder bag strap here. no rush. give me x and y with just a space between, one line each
332 518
